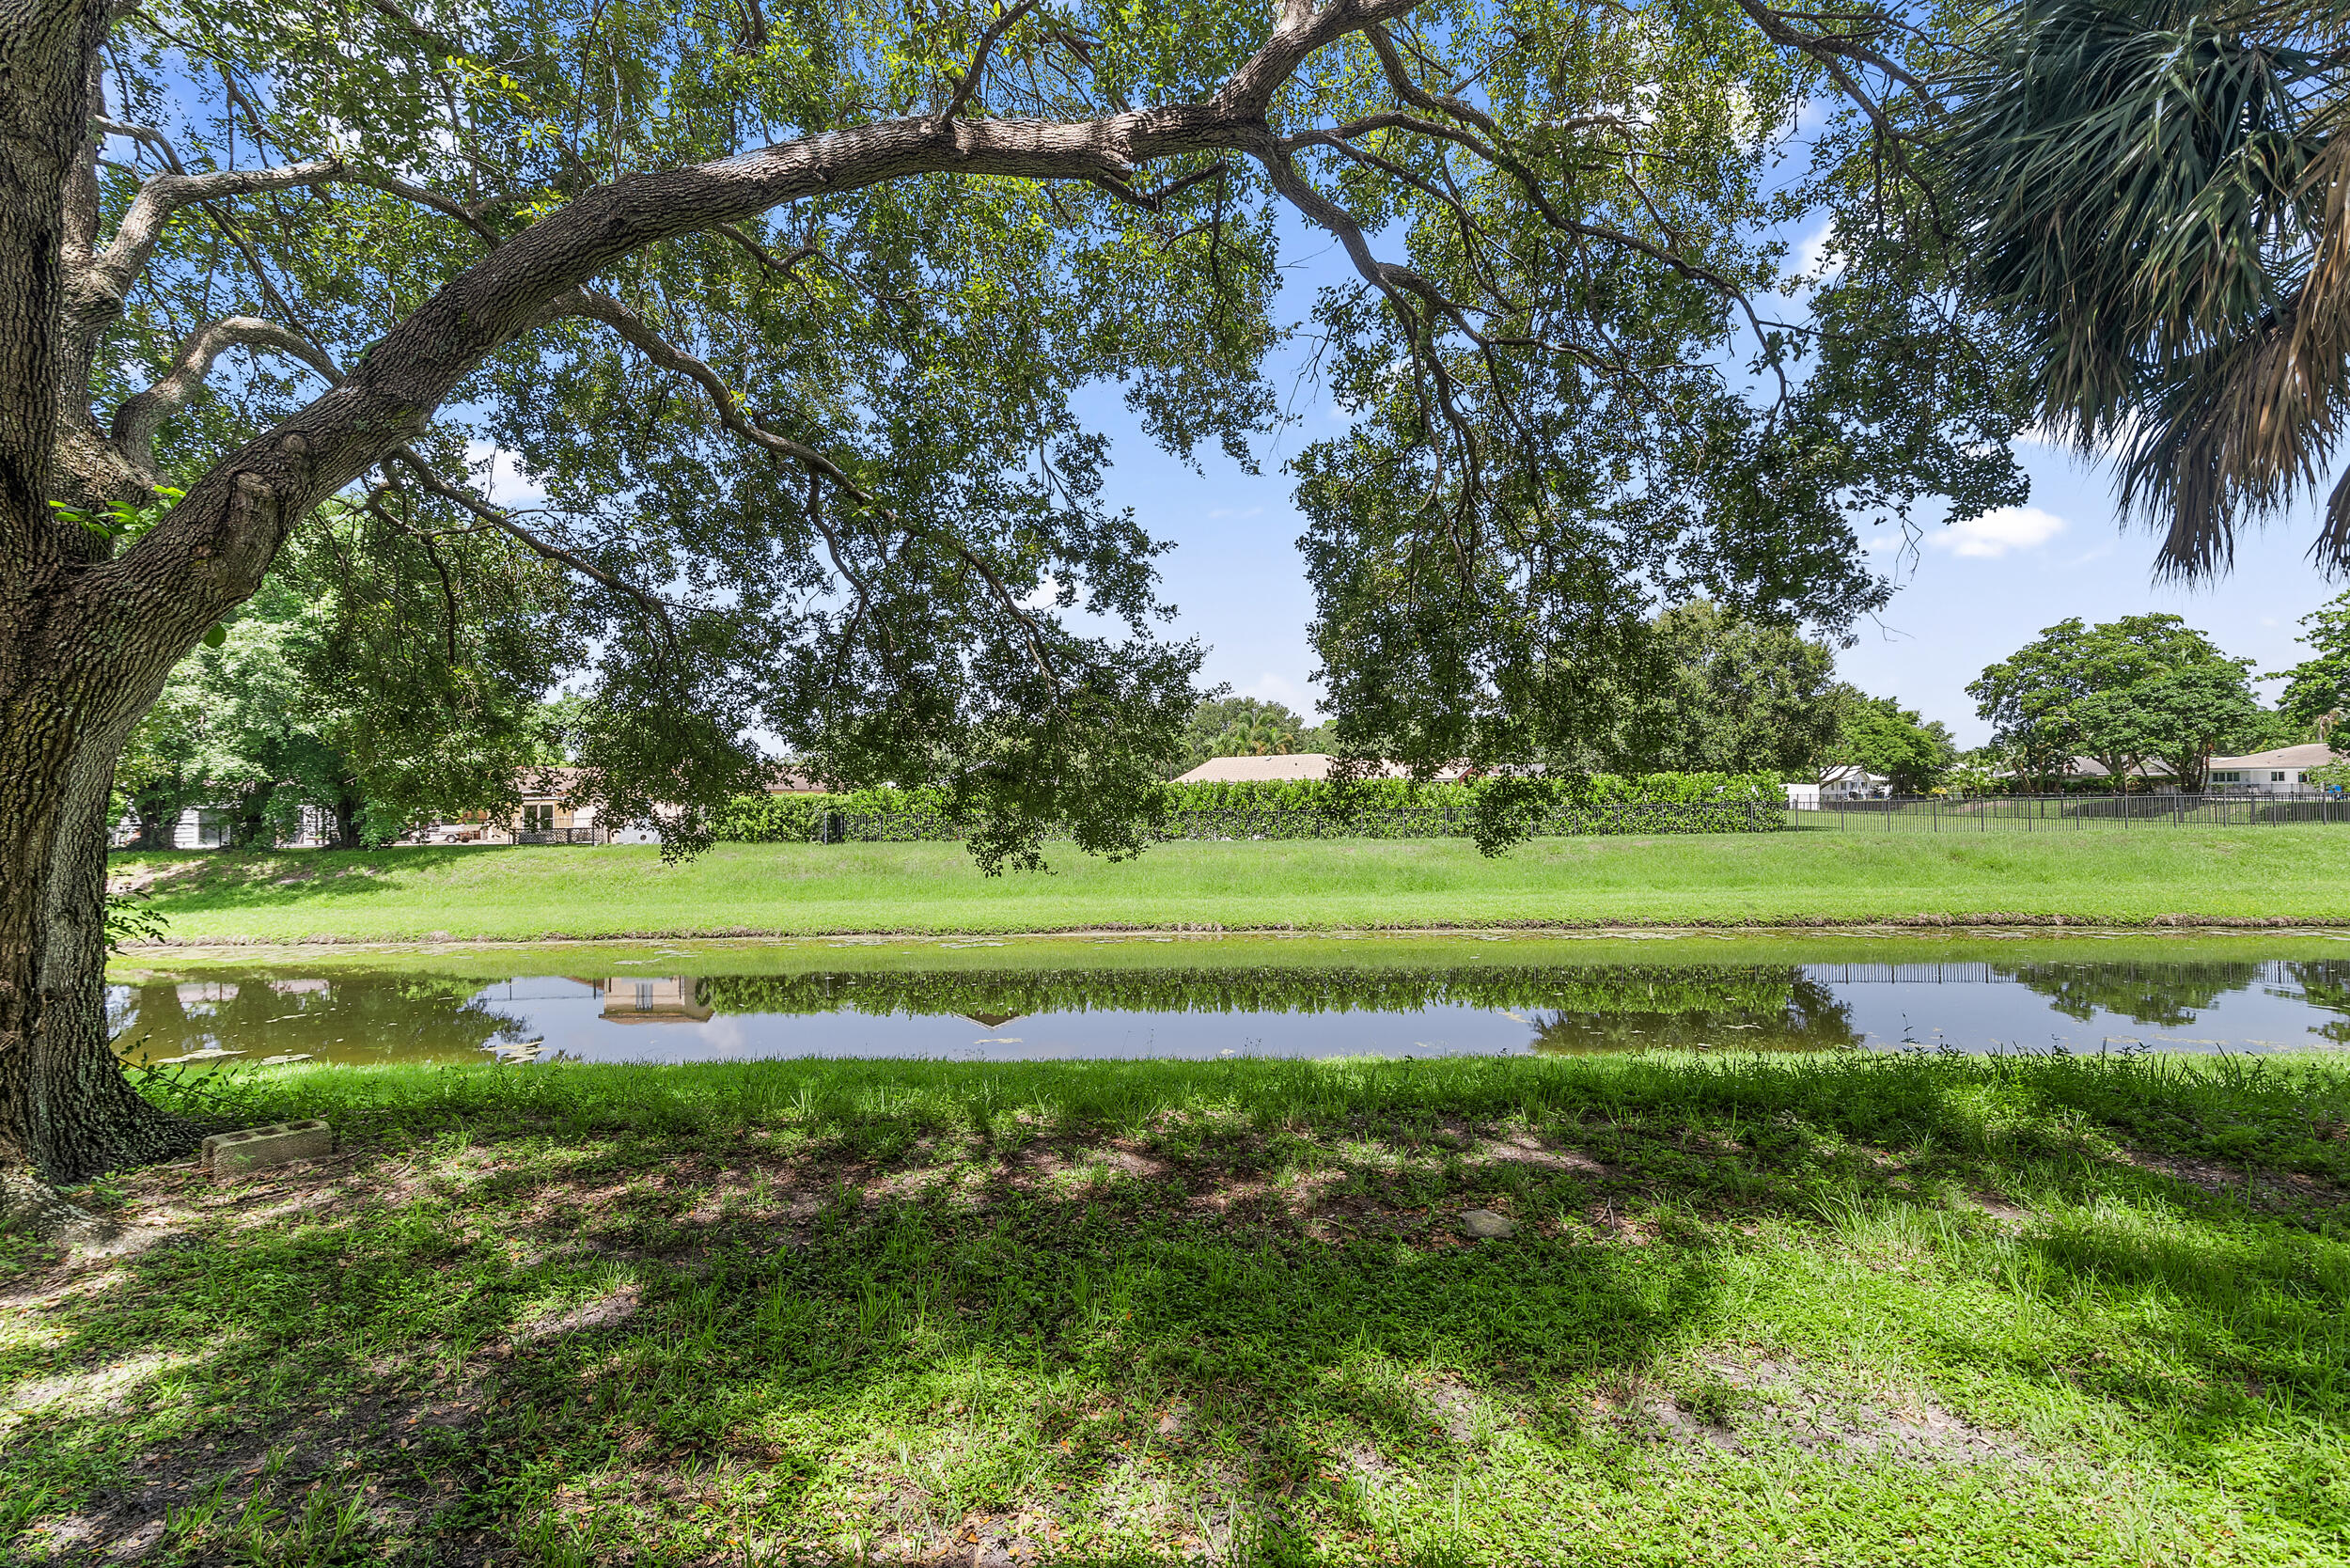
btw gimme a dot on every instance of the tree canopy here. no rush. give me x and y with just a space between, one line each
1880 736
2317 690
815 457
1244 726
1724 693
289 709
2144 688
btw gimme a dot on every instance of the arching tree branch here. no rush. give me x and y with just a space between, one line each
138 420
97 289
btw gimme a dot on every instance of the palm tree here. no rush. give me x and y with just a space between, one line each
2155 196
1260 735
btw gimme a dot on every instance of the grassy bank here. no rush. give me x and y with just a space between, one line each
1837 1309
1809 876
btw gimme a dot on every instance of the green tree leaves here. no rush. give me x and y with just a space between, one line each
819 477
369 678
2145 688
1880 736
1244 726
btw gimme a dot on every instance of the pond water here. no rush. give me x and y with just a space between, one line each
1318 998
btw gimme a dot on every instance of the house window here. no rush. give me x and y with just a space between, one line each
2227 779
2276 779
539 819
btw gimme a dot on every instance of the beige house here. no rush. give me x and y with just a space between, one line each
2151 774
542 818
2282 771
653 999
1300 765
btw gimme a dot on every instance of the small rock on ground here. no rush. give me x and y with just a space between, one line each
1485 1224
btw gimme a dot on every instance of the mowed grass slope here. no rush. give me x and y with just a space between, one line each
2299 872
1846 1310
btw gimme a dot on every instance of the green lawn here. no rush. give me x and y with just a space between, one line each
1840 1310
2299 874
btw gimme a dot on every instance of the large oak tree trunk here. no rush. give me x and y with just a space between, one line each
65 1111
70 684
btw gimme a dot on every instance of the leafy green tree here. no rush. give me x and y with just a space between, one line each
2156 201
2317 690
1878 734
1241 726
276 717
2145 688
160 775
1732 696
2028 699
1975 771
2179 716
791 315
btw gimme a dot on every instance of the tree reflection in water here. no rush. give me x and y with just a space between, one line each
2324 983
360 1015
1592 1005
1802 1015
2158 994
353 1017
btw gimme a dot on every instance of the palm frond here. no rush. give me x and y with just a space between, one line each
2156 194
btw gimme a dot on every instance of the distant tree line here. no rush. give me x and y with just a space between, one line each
1724 693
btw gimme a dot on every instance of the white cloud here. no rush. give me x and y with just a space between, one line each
500 472
1817 257
1994 533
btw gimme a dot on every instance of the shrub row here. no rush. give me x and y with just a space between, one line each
1307 808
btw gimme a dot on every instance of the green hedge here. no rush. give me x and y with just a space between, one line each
1307 808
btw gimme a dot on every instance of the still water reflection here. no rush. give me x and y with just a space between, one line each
1203 1010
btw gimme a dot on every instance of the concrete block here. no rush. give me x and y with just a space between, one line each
1485 1224
234 1153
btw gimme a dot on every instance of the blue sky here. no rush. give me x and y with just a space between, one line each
1969 596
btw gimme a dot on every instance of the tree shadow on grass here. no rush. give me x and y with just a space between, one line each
1231 1337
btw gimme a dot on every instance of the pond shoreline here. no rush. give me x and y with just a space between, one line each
1983 925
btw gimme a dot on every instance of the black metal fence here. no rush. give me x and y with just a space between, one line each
563 835
2069 813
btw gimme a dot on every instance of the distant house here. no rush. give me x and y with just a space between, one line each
653 999
1850 781
1300 764
214 827
542 818
197 827
2150 773
2267 772
2087 768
